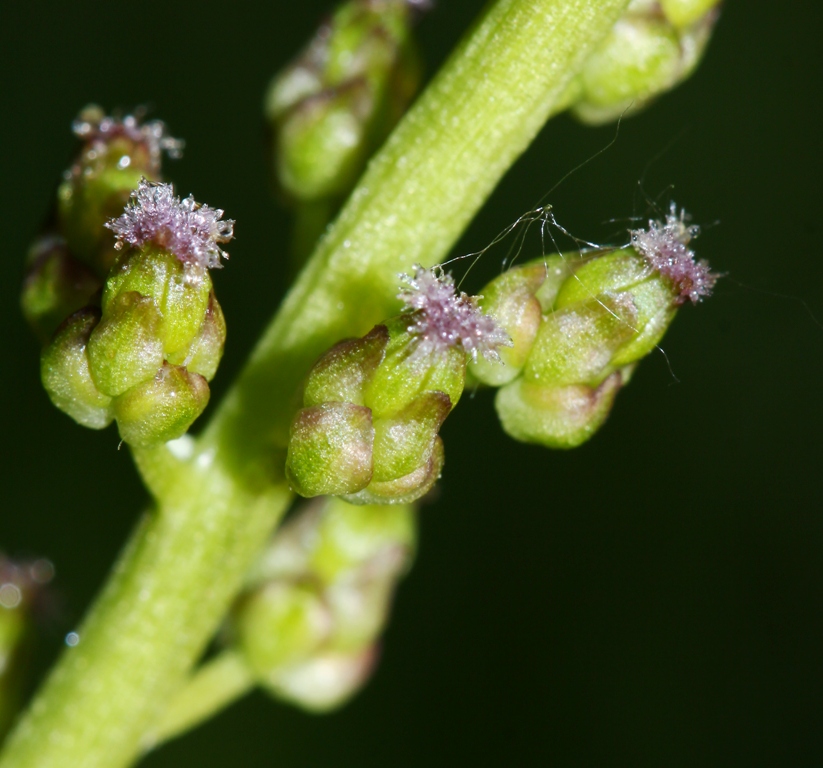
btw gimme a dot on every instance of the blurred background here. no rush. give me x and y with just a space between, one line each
652 598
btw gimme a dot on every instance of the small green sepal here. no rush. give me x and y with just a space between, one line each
64 371
161 408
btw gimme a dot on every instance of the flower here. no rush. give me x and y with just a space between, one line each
665 248
97 128
443 318
188 229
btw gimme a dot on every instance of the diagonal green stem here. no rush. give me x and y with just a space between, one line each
184 563
212 687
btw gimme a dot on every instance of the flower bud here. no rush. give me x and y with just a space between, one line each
64 370
374 406
161 408
116 154
56 285
346 536
125 348
600 313
644 55
337 102
145 357
179 295
206 349
330 449
683 13
319 598
279 625
325 681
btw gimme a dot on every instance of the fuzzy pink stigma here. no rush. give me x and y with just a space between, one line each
443 318
95 127
665 248
187 229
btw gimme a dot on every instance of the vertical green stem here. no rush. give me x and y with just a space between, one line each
186 560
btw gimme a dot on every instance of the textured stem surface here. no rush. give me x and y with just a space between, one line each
185 562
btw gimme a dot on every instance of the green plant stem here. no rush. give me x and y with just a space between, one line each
186 560
213 686
310 220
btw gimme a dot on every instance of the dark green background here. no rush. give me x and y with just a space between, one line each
651 599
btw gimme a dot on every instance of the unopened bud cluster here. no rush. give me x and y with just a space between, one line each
373 406
319 599
655 46
68 264
337 102
579 325
145 354
118 289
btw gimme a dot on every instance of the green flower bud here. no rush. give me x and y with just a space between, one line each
280 625
55 286
179 295
406 488
125 348
600 313
330 449
116 154
206 350
374 405
64 370
343 372
326 681
646 54
319 598
346 536
338 101
683 13
162 408
517 300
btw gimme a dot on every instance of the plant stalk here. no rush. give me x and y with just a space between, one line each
187 559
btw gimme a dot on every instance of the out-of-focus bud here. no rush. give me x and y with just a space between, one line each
22 587
116 154
682 13
319 598
335 104
326 681
147 358
653 48
374 406
600 313
56 285
280 625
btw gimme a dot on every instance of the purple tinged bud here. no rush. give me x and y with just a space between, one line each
188 229
330 449
443 318
664 245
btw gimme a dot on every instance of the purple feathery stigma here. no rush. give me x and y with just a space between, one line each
664 245
444 318
98 129
187 229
